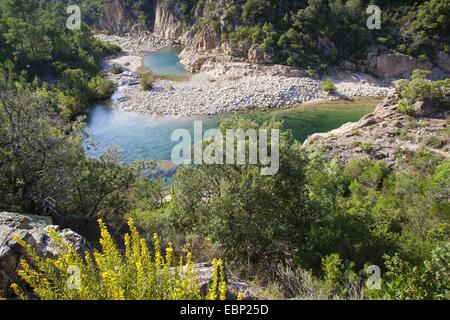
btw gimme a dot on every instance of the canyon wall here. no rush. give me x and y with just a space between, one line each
167 22
160 18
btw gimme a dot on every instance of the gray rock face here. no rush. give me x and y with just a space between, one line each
33 230
167 24
397 65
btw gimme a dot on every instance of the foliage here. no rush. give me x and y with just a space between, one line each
428 280
328 86
302 32
47 170
366 147
417 87
147 82
107 275
147 78
233 204
116 69
406 108
100 88
34 38
432 19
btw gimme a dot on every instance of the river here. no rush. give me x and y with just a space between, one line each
140 137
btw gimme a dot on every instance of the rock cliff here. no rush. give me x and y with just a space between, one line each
388 135
167 22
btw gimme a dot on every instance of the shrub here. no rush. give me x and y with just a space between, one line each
310 72
436 142
290 61
423 58
147 81
428 280
383 40
418 87
402 48
328 86
100 88
366 147
323 69
406 108
116 69
108 275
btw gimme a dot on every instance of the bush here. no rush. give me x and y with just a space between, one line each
428 280
247 215
406 108
383 40
418 87
147 82
423 58
100 88
116 69
328 86
147 79
290 61
107 275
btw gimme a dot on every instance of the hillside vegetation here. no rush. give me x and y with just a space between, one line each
307 33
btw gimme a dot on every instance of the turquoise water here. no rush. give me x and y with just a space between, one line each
165 63
141 137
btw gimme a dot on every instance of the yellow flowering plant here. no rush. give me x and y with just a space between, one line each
110 274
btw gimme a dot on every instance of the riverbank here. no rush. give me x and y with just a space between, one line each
134 48
226 86
205 95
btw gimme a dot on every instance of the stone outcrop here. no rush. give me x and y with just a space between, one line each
167 22
234 285
117 19
204 40
398 65
387 134
33 230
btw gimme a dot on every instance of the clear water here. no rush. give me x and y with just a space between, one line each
149 137
141 137
165 63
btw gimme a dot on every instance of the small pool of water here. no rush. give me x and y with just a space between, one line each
166 63
149 137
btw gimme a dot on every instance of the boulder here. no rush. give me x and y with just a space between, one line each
349 66
33 230
426 107
234 285
397 65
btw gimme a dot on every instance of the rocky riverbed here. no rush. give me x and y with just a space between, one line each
226 86
137 44
204 95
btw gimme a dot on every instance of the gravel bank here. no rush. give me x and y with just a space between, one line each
203 95
137 44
